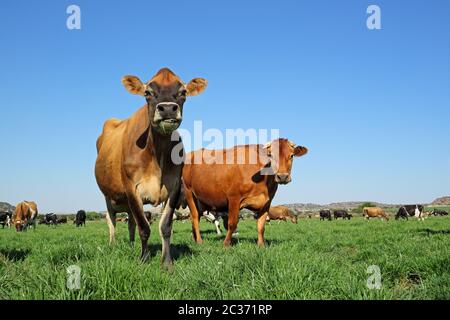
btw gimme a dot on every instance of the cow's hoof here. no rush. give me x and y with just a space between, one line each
145 257
167 265
261 244
199 241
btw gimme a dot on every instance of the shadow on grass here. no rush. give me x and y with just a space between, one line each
255 241
211 231
177 250
14 254
429 232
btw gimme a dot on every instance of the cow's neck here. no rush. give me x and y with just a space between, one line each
159 146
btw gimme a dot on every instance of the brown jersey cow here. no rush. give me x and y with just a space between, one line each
373 212
25 215
241 177
281 213
135 164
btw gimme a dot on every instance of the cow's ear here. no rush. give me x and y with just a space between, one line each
196 86
133 85
300 151
268 148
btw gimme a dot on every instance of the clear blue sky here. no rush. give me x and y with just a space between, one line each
373 107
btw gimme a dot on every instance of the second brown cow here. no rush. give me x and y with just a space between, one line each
250 180
281 213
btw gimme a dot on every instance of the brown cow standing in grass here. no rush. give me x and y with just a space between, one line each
240 177
281 213
135 164
373 212
25 215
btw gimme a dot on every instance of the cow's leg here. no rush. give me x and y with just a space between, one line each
233 218
110 220
261 227
165 227
217 224
137 210
131 227
195 217
225 222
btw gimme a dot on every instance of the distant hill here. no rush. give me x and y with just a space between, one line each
441 201
4 206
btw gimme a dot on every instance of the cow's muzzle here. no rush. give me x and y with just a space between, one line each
167 117
283 178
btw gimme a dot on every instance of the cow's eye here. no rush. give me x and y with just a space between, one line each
181 93
149 93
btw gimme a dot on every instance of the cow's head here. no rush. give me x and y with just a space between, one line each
165 94
20 225
293 219
281 153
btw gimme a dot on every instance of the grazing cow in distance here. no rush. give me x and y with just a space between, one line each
373 212
51 219
80 218
5 219
62 220
437 212
410 210
139 162
325 214
281 213
341 214
25 215
179 216
214 217
229 180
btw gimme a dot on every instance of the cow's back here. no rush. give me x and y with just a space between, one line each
109 157
25 210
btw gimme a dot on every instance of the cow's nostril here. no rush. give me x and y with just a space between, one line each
175 108
160 108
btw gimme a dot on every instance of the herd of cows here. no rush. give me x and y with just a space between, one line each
25 216
135 166
404 212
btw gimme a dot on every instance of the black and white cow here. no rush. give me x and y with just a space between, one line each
411 210
5 219
215 217
51 219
